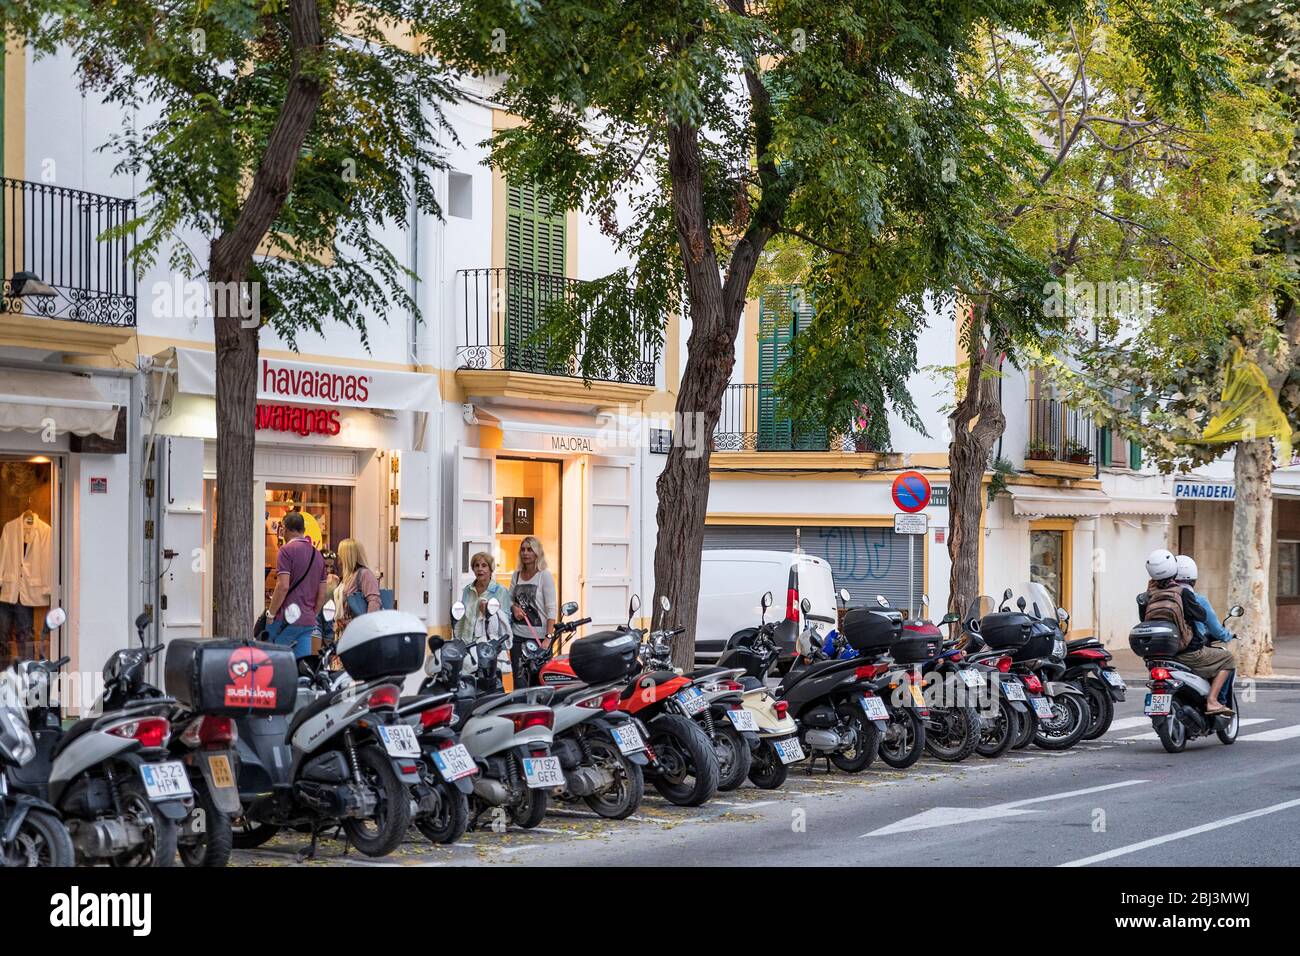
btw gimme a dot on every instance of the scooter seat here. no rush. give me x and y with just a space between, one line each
486 702
1080 642
79 729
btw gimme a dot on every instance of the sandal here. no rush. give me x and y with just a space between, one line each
1218 710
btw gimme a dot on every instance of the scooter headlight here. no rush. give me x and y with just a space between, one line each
17 746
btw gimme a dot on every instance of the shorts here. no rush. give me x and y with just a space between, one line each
1209 660
297 636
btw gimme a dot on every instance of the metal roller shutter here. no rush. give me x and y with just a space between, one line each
866 561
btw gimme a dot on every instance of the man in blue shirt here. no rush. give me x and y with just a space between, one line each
1211 629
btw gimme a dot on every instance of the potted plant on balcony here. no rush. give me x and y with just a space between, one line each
1078 452
1041 450
861 419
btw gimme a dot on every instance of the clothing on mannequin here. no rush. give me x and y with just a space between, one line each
26 573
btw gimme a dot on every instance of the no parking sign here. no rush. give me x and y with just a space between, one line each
911 492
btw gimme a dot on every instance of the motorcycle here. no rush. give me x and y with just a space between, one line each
441 811
601 749
509 736
108 775
1177 699
343 758
953 726
684 768
1087 663
31 831
755 651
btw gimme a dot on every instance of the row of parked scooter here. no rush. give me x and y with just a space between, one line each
245 742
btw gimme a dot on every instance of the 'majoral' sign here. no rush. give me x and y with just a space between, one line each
1210 491
579 444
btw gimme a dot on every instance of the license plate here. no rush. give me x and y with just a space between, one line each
1042 707
875 708
1112 678
454 762
692 700
222 774
543 772
917 697
742 720
972 678
788 750
165 781
1013 690
399 740
628 738
1058 648
1158 704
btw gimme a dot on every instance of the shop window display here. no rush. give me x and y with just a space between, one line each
28 556
327 514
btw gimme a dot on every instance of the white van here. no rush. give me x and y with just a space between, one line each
732 584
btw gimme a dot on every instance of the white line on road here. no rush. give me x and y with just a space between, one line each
1244 722
1277 733
1124 723
1069 793
1182 834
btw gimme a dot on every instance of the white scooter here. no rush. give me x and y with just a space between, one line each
508 735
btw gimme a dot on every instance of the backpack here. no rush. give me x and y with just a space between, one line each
1166 604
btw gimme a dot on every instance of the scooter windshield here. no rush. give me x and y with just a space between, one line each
981 606
1038 600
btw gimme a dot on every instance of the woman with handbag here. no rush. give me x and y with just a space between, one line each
358 589
534 603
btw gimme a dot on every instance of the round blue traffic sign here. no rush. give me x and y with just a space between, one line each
911 491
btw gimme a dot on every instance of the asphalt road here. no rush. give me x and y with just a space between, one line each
1117 801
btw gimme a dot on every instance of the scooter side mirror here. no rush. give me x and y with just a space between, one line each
950 618
805 605
56 618
328 611
665 604
458 610
633 606
925 600
1236 611
845 596
141 622
1021 604
766 601
1006 595
880 599
494 606
973 625
570 607
292 613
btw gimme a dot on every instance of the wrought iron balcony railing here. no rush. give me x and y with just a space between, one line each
1058 432
752 420
57 261
503 313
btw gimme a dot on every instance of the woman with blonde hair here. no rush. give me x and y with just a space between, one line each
534 602
475 597
358 588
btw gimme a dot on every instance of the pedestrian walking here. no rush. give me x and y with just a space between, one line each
300 580
534 602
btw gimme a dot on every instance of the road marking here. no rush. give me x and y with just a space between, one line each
1277 733
949 816
1182 834
1124 723
1243 722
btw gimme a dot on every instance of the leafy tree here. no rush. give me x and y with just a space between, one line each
726 126
285 133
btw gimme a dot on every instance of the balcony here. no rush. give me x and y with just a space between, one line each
752 432
65 284
1062 441
500 351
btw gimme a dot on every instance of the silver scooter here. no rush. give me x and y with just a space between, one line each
108 774
508 735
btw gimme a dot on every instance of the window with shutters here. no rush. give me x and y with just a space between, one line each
535 264
782 314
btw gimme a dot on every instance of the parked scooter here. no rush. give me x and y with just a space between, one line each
755 650
1087 663
1176 703
683 766
509 736
951 687
601 748
108 775
344 757
446 768
31 831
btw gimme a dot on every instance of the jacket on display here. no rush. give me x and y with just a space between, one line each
26 579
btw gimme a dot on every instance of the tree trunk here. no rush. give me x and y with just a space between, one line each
229 260
1250 569
715 309
976 423
236 360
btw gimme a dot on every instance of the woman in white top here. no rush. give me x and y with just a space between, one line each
534 601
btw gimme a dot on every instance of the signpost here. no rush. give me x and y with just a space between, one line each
911 494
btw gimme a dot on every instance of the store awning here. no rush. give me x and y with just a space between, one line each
1033 502
1148 505
560 433
67 402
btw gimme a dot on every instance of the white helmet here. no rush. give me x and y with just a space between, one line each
1162 565
1186 569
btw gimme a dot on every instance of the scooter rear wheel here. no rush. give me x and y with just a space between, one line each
904 740
766 771
382 833
734 758
528 811
450 821
211 847
688 767
1028 727
1067 725
867 742
623 797
1101 709
159 848
998 739
1172 734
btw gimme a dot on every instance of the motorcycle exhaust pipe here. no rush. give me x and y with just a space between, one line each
822 739
586 781
491 791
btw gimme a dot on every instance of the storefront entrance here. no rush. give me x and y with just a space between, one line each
528 503
30 554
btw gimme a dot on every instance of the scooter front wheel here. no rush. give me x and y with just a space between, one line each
1228 734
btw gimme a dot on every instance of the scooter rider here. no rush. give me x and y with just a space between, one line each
1212 629
1165 598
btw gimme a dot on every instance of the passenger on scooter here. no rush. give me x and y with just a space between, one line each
1166 599
1212 629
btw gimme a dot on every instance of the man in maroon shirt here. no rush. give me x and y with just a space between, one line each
300 580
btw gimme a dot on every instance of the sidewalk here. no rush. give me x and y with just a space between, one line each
1286 664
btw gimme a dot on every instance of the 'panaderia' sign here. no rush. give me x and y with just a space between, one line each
1214 491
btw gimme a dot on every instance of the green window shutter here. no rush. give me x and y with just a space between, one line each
782 314
1105 447
535 273
1134 456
